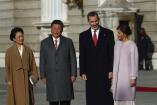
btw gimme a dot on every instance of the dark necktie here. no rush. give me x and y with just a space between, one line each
56 44
95 38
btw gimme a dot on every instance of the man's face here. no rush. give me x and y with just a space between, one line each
93 22
56 30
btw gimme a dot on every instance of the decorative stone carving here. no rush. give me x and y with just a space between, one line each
113 3
112 12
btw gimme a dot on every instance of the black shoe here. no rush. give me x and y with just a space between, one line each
147 68
141 68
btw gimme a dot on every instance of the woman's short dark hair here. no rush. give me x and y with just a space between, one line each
58 22
14 31
125 29
93 13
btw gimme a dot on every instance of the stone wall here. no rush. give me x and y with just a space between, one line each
25 13
22 13
149 10
6 22
77 22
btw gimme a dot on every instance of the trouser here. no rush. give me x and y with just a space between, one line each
60 103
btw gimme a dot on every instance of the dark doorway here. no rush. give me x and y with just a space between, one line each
123 22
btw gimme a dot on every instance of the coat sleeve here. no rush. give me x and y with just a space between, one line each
134 62
82 54
111 51
34 68
73 61
42 61
8 78
7 67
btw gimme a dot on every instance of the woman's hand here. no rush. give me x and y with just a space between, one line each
132 82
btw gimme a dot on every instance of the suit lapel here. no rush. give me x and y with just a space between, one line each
101 36
60 44
51 43
90 38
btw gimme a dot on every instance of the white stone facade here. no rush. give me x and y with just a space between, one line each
53 9
17 13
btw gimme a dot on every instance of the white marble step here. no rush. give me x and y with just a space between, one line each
6 14
6 22
28 38
28 21
143 6
139 1
5 5
27 13
30 30
30 4
77 28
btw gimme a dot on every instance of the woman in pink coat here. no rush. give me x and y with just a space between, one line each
125 70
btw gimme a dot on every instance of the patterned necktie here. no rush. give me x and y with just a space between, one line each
95 38
56 44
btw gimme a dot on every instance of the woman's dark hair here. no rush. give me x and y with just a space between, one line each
125 29
58 22
14 31
93 13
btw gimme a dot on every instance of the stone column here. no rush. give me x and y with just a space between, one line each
156 11
51 10
109 20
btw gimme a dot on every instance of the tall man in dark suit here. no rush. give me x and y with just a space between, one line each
96 61
58 66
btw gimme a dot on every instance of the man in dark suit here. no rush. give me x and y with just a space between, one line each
96 61
58 67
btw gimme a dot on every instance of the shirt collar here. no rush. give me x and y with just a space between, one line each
58 39
96 29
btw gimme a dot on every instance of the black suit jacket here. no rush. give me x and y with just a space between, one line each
96 63
99 57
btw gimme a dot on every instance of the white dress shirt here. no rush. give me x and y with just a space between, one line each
58 41
20 50
97 32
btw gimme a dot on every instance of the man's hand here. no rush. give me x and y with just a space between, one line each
9 83
73 78
132 82
44 80
84 77
110 75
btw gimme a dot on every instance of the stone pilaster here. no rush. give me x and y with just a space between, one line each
53 9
